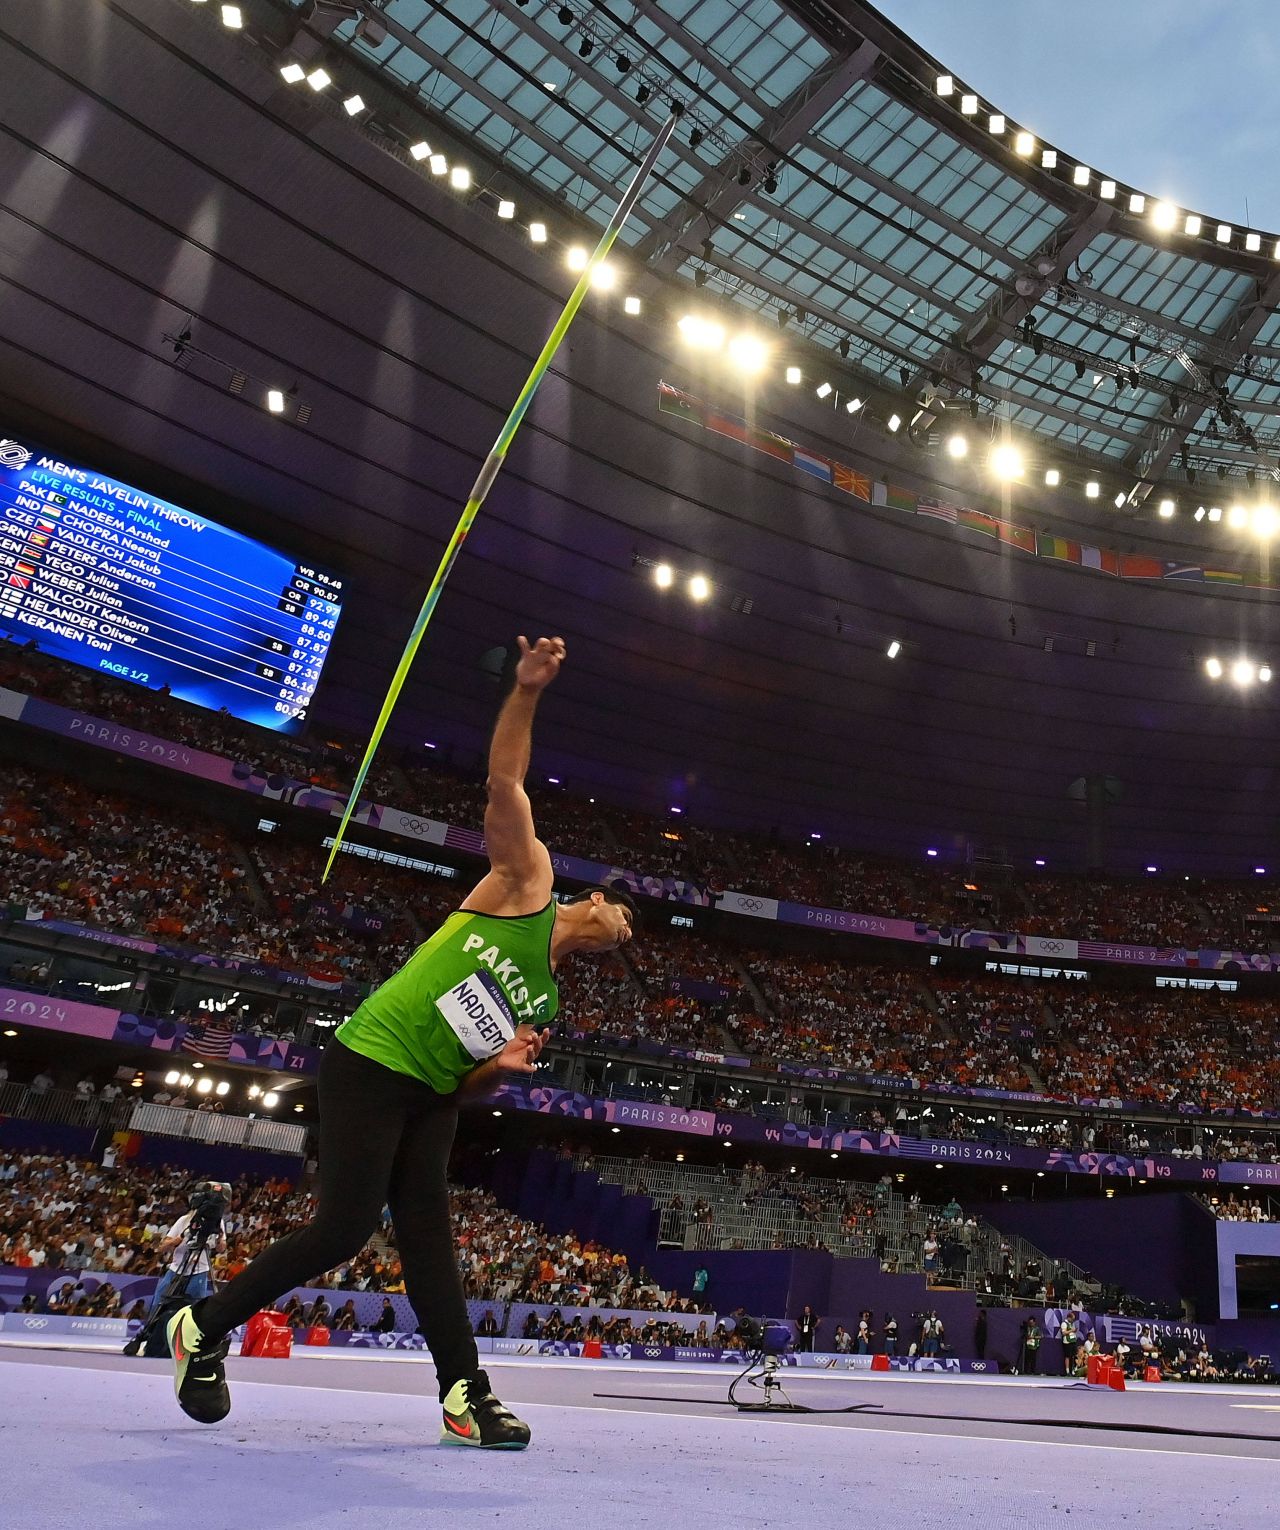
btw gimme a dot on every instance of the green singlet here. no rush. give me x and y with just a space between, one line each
459 998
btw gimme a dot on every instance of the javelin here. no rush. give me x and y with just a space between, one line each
492 464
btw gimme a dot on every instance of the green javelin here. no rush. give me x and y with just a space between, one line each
492 463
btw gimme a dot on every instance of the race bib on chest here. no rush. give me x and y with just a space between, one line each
477 1012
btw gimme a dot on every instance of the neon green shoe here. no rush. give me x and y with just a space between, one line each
474 1416
198 1375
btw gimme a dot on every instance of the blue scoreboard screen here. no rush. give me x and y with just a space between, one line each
109 577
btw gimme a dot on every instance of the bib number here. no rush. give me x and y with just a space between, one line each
477 1013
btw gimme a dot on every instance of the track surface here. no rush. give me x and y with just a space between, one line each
94 1439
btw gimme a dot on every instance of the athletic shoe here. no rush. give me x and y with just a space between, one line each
474 1416
198 1375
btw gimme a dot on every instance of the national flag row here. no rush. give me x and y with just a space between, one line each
862 486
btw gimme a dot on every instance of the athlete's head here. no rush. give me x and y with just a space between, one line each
604 918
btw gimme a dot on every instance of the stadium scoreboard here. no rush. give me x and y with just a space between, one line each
119 581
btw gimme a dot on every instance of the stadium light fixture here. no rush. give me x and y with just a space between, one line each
1092 489
353 105
894 422
270 1100
420 150
1080 175
1049 159
576 257
538 233
996 124
946 85
1006 462
223 1087
823 390
319 79
1167 508
204 1085
748 353
632 306
275 400
702 334
1137 202
699 587
1243 672
1215 512
957 446
185 1080
460 178
1107 191
1119 500
1264 521
1213 668
1199 515
506 209
1024 144
969 105
894 649
1237 517
1193 225
1164 216
1253 243
932 854
605 277
292 74
852 405
254 1091
1052 477
232 17
1225 232
1264 673
171 1077
664 576
794 375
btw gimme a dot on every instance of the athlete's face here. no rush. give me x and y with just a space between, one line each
610 924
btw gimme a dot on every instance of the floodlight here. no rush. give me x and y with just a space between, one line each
664 576
1006 462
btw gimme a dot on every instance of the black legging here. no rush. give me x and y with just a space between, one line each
384 1140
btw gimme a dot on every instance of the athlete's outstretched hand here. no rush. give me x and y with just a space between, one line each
538 666
520 1055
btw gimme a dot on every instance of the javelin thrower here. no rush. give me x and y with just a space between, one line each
469 1006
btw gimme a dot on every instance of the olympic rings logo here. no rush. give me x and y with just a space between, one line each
35 1322
751 905
1053 945
414 825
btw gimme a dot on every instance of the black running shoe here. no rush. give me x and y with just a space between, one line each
474 1416
198 1375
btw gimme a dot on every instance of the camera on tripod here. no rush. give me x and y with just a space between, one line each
207 1201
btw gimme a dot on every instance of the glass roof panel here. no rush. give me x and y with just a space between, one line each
889 222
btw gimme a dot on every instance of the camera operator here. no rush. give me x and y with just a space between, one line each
203 1223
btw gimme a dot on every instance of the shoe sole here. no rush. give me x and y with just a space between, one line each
452 1439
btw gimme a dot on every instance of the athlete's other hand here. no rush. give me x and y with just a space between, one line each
538 666
520 1055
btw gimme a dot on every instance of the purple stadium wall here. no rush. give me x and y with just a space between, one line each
1160 1247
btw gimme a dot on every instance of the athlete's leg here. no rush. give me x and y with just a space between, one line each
363 1109
419 1200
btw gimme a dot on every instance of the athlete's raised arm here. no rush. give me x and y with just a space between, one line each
520 876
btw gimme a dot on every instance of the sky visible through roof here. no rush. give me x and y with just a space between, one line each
1174 96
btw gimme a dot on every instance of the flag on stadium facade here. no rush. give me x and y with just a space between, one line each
209 1038
857 484
811 462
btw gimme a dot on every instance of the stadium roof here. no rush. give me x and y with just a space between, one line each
831 172
158 176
